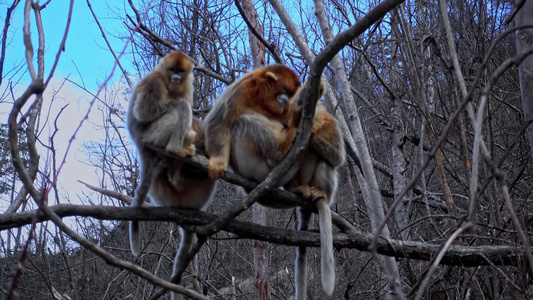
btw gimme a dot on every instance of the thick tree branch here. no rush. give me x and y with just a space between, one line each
456 255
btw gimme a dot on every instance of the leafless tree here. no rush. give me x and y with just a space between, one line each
434 202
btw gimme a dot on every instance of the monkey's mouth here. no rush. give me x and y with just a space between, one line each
175 79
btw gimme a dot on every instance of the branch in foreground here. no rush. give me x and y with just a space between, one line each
456 255
273 196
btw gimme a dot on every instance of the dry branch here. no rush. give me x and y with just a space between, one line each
456 255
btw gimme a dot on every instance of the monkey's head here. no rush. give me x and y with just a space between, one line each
271 87
177 67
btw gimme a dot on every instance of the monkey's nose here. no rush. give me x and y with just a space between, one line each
283 99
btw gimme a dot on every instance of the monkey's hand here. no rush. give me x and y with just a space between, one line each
216 167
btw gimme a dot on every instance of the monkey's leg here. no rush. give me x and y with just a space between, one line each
301 257
182 135
149 167
252 141
170 129
187 239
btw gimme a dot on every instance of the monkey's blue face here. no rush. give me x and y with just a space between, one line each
284 97
176 74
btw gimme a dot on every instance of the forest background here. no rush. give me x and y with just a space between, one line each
434 100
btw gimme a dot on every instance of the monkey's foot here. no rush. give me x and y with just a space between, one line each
317 193
182 151
304 191
186 151
216 167
190 136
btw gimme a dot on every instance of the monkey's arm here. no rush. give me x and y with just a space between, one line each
217 142
150 98
260 133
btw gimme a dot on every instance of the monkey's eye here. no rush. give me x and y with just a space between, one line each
176 70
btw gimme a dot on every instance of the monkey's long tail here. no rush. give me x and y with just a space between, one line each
187 239
134 237
327 259
301 257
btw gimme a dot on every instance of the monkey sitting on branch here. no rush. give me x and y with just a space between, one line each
160 114
252 127
317 180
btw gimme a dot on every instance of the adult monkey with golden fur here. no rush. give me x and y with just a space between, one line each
247 125
242 131
317 180
160 114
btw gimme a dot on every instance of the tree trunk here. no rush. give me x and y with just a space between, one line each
259 212
524 41
399 161
374 201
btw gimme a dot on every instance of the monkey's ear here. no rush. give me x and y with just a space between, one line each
271 76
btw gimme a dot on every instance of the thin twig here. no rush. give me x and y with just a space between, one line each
268 45
7 22
109 45
63 42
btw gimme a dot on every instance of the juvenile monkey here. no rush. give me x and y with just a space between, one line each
183 186
159 113
317 180
247 126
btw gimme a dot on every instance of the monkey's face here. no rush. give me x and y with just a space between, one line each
283 83
176 74
177 66
285 96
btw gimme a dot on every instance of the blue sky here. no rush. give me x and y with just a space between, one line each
86 53
85 47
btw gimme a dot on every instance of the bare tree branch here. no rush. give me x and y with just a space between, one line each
456 255
7 22
268 45
63 42
109 45
150 35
